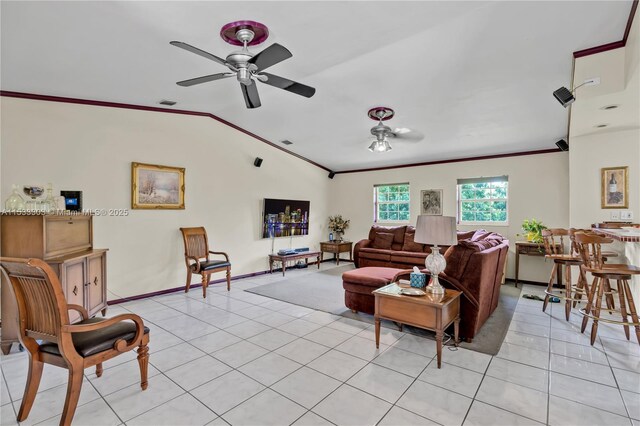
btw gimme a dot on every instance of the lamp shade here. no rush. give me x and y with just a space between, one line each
436 230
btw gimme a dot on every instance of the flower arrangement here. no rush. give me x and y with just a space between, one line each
533 230
338 225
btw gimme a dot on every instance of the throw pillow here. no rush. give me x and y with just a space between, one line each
409 243
383 241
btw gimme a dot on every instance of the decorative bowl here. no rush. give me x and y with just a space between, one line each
33 191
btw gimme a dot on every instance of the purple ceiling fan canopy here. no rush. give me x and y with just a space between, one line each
228 32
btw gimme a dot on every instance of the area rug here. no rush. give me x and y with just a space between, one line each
323 291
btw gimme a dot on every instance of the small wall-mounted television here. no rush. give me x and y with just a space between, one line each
285 218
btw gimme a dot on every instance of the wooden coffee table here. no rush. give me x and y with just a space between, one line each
283 259
432 312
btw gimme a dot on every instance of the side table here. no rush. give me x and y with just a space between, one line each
527 248
432 312
284 258
337 247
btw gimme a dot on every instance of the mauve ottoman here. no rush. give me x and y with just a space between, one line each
359 283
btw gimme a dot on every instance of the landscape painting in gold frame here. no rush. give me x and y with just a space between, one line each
157 187
615 187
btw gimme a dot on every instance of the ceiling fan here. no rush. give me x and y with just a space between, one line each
246 66
383 133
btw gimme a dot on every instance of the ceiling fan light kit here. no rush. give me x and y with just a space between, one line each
383 132
246 66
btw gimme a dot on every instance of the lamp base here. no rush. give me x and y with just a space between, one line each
435 263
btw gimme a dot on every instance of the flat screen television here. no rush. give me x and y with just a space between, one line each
284 218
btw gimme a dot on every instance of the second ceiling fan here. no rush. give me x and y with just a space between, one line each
246 66
383 132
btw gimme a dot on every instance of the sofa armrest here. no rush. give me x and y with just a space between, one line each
455 284
356 249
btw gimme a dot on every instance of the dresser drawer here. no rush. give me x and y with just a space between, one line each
66 234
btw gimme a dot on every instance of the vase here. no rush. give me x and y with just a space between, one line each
15 201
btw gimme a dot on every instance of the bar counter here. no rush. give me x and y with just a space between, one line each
626 241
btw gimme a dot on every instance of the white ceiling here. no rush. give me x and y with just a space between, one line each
476 78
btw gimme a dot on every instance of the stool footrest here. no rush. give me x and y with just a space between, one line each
610 321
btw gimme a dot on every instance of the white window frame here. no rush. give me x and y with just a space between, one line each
493 179
376 203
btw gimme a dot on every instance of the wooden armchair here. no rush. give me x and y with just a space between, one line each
43 314
196 257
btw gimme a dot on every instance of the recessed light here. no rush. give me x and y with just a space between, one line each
600 126
608 107
286 142
166 102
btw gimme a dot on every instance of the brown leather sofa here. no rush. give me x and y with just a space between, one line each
474 266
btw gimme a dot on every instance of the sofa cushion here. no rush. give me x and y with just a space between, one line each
370 276
409 244
383 240
379 254
488 241
408 257
397 231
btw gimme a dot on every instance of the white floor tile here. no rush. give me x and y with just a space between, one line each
482 414
520 374
337 364
399 416
302 351
627 380
183 410
8 416
239 353
582 369
581 352
527 340
349 325
215 341
307 387
624 361
133 401
94 413
563 412
524 355
597 395
632 401
50 402
416 344
453 378
295 311
322 318
518 399
269 368
362 409
247 329
362 348
192 374
119 377
402 361
630 347
274 319
381 382
312 419
387 336
464 358
529 328
299 327
254 312
174 356
227 391
328 336
186 327
272 339
434 403
266 408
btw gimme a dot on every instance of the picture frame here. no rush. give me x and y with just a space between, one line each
431 202
157 187
614 187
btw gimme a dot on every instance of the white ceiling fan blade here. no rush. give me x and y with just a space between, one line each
407 135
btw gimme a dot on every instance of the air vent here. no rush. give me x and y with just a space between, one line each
167 103
286 142
600 126
608 107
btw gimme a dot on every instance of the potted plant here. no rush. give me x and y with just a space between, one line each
338 225
533 230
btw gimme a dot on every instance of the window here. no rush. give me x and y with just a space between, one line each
483 200
391 203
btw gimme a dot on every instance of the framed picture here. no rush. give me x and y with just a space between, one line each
156 187
615 187
431 202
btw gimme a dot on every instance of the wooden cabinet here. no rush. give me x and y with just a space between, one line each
65 242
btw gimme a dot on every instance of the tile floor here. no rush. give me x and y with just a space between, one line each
242 359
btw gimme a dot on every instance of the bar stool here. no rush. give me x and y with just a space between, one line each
589 246
554 249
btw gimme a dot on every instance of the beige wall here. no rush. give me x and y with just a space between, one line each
588 155
91 148
538 187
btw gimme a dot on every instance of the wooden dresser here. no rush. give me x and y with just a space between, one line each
65 242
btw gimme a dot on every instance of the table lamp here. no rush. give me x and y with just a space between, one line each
436 230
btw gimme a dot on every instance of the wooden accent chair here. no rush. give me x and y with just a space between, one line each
43 314
196 257
590 248
554 249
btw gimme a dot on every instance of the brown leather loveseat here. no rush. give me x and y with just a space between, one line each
475 267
